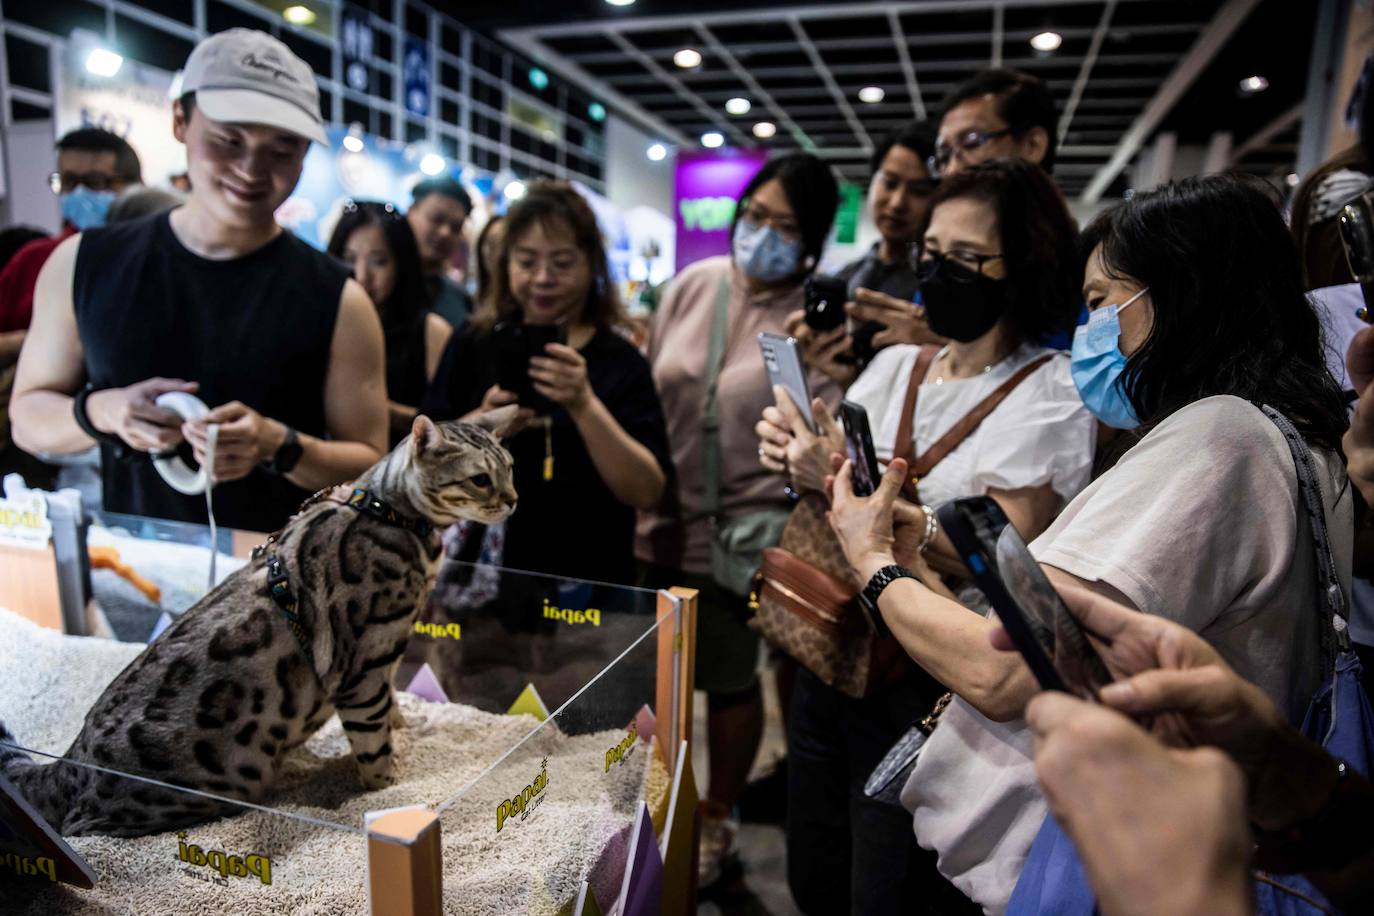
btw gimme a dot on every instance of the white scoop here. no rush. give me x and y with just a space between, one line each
174 470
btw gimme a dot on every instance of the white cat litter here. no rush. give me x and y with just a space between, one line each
47 681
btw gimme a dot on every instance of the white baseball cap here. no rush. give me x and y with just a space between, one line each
243 76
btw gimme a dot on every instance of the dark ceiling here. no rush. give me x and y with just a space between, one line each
802 66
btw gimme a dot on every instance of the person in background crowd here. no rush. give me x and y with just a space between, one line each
782 221
602 451
216 299
15 237
995 269
438 209
882 284
489 242
1196 521
139 201
93 166
1164 830
374 240
12 458
997 114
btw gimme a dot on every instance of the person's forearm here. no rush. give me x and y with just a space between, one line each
11 342
42 421
628 468
951 643
400 416
324 462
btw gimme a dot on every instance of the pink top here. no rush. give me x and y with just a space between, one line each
679 536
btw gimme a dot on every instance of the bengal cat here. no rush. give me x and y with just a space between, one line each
227 690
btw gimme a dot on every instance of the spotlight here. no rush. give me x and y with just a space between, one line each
299 15
738 106
657 152
103 62
353 144
596 111
872 95
765 129
432 164
1047 41
712 139
687 58
539 79
621 2
514 190
1253 84
1293 180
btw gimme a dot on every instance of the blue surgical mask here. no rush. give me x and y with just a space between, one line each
1098 364
86 209
762 253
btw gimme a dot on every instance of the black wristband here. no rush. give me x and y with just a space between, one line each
868 598
83 419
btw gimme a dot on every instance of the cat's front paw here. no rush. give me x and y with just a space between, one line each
375 778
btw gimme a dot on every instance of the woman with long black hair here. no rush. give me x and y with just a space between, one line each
1196 317
376 243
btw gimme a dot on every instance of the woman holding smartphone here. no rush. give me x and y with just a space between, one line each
601 451
1196 315
994 269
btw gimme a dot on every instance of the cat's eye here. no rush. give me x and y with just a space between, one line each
481 481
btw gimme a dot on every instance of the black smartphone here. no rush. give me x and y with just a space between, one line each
1053 644
858 442
516 343
825 299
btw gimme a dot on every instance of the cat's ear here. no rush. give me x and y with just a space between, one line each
499 422
422 435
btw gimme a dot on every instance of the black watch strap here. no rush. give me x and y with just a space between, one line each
83 419
868 598
288 454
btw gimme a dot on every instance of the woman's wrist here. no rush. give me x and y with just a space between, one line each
869 564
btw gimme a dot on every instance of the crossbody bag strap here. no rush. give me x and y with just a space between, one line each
710 416
974 418
903 447
1335 630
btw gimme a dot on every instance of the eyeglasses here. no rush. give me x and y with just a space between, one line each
62 182
964 143
758 214
927 262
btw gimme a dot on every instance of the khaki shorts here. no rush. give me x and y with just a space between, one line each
727 649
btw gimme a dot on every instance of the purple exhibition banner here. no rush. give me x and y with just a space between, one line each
705 189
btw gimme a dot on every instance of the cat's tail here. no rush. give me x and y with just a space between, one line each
33 780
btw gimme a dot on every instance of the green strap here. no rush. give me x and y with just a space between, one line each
710 419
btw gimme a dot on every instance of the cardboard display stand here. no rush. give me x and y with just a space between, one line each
30 850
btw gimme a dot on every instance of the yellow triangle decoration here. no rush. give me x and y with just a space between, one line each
529 703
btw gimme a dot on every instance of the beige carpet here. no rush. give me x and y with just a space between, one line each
47 682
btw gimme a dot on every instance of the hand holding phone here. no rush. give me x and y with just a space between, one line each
516 343
782 360
858 440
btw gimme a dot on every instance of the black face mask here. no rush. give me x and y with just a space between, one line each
961 304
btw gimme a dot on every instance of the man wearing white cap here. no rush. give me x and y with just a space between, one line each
216 299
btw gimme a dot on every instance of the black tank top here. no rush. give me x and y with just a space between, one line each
255 329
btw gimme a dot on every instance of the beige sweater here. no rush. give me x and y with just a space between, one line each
678 534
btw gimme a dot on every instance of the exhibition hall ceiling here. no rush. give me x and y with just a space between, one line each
831 78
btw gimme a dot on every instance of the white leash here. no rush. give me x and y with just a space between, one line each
178 473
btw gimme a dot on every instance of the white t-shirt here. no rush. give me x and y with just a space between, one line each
1041 434
1198 522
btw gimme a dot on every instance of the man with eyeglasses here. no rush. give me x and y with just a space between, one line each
212 298
997 114
93 166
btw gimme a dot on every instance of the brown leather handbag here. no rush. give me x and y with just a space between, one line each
805 592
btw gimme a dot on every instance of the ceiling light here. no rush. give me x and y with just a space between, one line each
539 79
596 111
1047 41
353 144
1293 180
621 2
871 94
432 164
738 106
712 139
657 152
103 62
514 190
299 15
687 58
1252 84
765 129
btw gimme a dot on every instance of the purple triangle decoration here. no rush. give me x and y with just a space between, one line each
426 686
642 892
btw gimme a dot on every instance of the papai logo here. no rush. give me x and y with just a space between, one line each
707 214
250 866
24 517
439 630
624 749
568 615
30 868
530 797
278 71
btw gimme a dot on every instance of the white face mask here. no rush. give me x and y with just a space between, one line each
762 253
